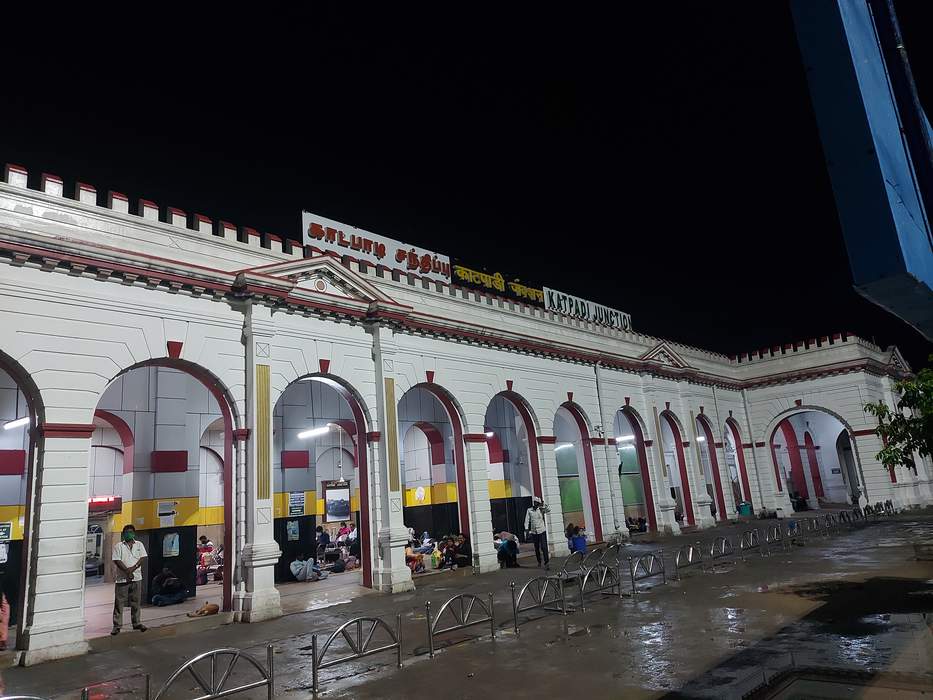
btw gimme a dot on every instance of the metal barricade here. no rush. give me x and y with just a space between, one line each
461 608
793 531
646 566
888 508
359 644
592 559
830 523
845 518
573 566
750 541
613 555
868 511
215 685
599 579
686 556
544 591
774 536
858 514
720 548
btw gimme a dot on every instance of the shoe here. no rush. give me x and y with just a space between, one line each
115 631
140 628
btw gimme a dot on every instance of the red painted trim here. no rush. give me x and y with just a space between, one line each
719 445
17 168
126 437
146 204
463 507
494 448
67 430
174 348
761 444
814 465
12 462
640 445
349 426
49 177
474 437
295 459
103 506
649 443
118 195
373 436
597 441
429 375
324 365
435 441
714 465
682 462
173 210
241 434
162 461
251 232
740 453
796 464
203 219
861 433
590 471
84 187
547 439
273 237
508 384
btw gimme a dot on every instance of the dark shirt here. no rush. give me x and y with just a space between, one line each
323 538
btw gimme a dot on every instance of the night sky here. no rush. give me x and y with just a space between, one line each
664 160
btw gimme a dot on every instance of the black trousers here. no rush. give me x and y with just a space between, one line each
540 540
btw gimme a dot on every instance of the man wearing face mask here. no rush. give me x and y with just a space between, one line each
127 557
535 527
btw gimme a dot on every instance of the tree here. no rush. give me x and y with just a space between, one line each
908 428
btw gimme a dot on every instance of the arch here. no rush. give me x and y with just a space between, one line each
531 430
583 425
227 407
639 430
435 441
126 437
810 448
360 417
677 434
456 423
713 463
740 456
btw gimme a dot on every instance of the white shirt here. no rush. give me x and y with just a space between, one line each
353 534
534 521
129 556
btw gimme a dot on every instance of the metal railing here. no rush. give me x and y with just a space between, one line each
774 536
751 541
686 556
888 508
573 566
461 608
613 555
544 591
359 644
720 548
215 685
793 531
592 559
599 579
868 511
858 513
646 566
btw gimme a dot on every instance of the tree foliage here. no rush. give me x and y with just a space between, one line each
908 428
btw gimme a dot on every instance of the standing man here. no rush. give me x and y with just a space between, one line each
127 557
535 527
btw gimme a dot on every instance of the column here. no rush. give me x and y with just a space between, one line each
390 573
481 539
260 600
612 505
550 494
666 504
53 624
762 463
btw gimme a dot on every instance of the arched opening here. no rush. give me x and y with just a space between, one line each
575 474
18 420
432 462
676 462
320 479
634 478
161 459
514 472
735 463
808 449
707 449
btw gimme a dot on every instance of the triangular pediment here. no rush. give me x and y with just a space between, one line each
320 275
898 362
663 354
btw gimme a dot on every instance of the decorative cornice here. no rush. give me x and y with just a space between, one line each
474 437
241 434
66 430
547 439
373 436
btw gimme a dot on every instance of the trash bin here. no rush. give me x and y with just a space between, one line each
745 508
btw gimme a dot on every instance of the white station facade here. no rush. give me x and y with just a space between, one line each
186 375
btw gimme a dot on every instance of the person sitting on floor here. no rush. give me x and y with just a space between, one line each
323 538
414 560
507 550
353 533
464 555
578 541
344 530
448 551
167 588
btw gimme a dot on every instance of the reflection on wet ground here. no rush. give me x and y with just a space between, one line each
858 599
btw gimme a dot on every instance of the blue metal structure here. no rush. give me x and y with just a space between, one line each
876 140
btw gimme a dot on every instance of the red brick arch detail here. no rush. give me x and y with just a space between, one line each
126 437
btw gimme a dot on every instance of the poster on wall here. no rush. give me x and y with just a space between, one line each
336 502
170 545
296 503
6 531
291 530
166 512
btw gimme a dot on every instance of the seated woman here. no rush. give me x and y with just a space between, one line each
578 541
414 560
507 553
167 588
464 555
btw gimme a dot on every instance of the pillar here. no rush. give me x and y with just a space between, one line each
52 623
260 599
390 573
481 538
550 494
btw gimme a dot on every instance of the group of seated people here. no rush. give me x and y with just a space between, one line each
210 562
332 556
636 525
451 552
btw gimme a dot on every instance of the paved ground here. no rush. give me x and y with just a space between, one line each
858 599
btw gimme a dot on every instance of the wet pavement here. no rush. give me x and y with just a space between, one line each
859 599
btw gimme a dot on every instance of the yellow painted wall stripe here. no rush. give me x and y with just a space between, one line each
263 425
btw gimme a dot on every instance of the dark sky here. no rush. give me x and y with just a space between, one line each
663 160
